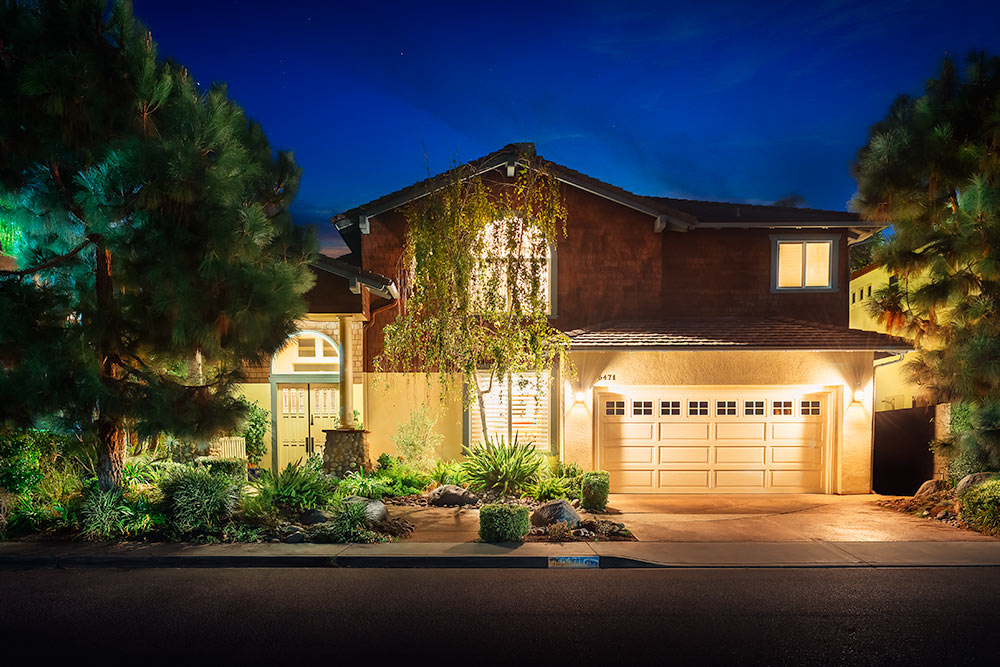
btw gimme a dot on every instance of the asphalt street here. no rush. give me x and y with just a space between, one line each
864 616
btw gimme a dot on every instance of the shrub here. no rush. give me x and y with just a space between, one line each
594 490
416 439
385 462
138 470
198 501
499 522
55 500
499 468
357 483
234 467
299 486
20 460
258 508
549 488
981 507
573 474
258 420
447 472
403 480
108 516
349 523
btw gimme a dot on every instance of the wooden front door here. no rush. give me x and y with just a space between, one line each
304 411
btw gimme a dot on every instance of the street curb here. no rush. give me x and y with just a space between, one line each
31 562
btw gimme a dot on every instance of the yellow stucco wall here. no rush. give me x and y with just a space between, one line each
261 393
841 372
391 396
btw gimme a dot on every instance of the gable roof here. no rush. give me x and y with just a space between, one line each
677 214
732 333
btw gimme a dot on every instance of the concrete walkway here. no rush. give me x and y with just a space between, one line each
21 555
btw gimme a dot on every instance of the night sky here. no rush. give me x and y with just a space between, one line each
747 102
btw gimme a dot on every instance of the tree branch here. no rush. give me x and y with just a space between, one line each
93 238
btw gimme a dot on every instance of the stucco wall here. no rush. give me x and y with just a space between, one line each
842 372
390 397
261 393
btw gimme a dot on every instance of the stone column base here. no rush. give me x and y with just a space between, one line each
346 451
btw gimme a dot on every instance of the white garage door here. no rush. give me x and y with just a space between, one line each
703 440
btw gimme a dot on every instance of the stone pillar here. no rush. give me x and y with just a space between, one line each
942 430
346 374
346 451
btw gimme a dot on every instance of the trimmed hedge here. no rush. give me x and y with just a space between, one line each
499 522
594 490
236 468
981 507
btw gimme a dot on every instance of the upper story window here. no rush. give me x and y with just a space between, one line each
515 253
804 263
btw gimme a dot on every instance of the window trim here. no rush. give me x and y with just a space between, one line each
833 239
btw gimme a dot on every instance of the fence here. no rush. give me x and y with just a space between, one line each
229 448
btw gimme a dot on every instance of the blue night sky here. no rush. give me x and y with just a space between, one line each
747 102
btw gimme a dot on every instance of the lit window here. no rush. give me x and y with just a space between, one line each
642 407
668 408
500 263
753 407
725 408
698 407
804 264
810 407
782 407
515 406
614 407
307 346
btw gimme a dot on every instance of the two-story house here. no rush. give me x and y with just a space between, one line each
710 341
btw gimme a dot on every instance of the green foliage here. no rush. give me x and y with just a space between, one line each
573 475
931 167
403 479
549 488
500 522
197 501
258 421
357 483
53 503
241 533
234 467
349 523
299 486
181 451
155 229
981 507
447 472
384 461
109 515
138 470
417 440
506 470
20 460
475 278
594 490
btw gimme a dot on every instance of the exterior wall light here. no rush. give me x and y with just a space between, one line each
580 396
859 395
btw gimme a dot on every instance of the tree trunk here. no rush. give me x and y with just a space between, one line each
482 407
110 433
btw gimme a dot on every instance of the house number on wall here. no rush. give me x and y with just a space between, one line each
608 376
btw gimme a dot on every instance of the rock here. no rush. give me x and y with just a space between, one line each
451 494
945 515
290 528
375 509
582 532
970 482
555 510
313 516
294 538
931 486
576 502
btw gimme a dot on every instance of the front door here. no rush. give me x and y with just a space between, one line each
304 411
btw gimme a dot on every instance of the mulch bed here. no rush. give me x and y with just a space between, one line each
942 506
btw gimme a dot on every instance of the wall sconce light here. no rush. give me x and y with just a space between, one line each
580 396
859 395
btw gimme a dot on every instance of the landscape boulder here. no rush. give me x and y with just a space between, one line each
313 516
555 510
931 486
374 509
451 494
969 482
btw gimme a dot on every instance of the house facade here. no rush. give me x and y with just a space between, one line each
711 346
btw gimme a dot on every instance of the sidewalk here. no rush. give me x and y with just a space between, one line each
817 554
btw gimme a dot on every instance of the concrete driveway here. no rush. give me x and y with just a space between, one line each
726 518
775 518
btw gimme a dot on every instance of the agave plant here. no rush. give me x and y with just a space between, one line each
496 467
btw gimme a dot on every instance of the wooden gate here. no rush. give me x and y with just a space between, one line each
902 459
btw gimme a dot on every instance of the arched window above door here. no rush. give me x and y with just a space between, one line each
307 353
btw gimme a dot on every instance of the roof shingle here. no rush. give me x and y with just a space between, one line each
732 333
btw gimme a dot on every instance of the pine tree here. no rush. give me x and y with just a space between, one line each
157 250
932 168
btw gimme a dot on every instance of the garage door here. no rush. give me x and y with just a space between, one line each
731 440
